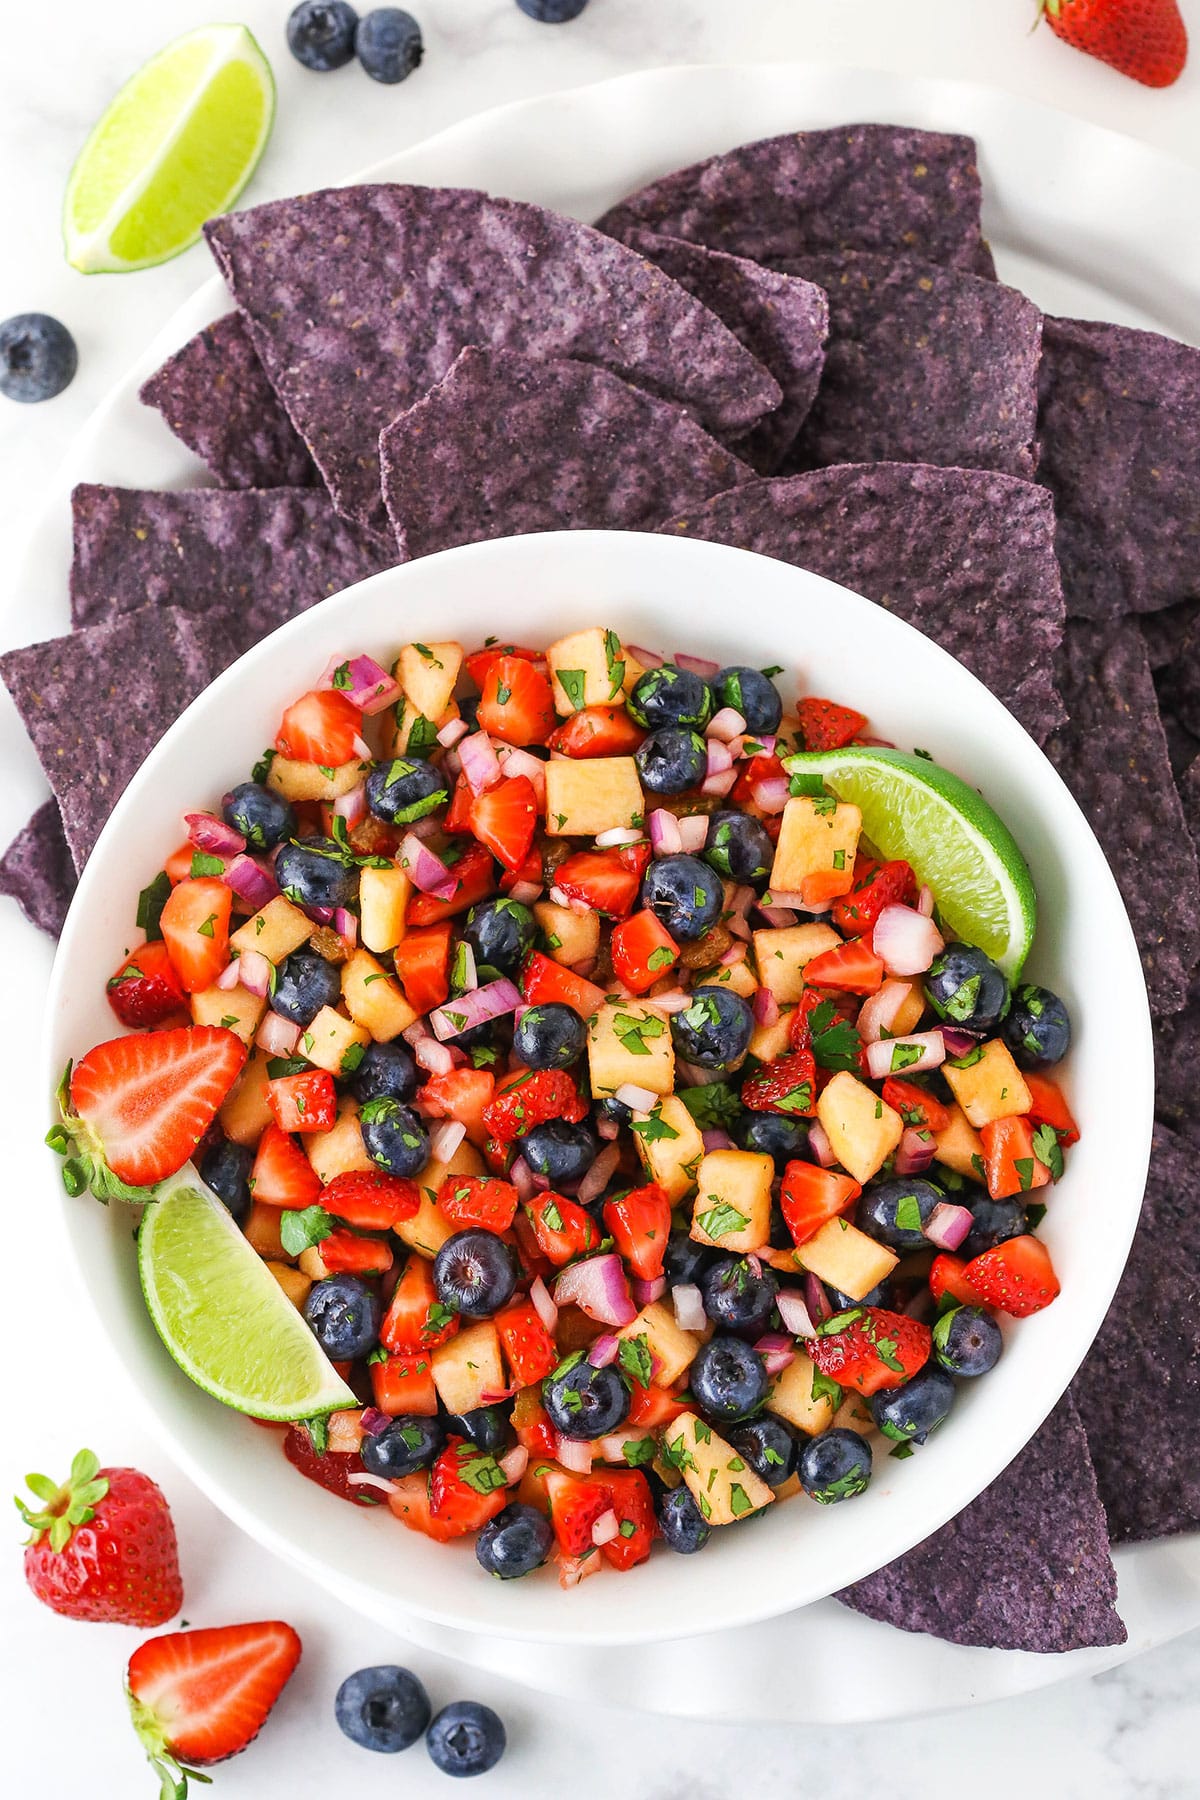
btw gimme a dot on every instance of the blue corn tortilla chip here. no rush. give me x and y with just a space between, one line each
965 555
37 872
1025 1567
265 553
505 445
359 299
215 396
1120 434
1138 1393
97 702
1172 639
855 187
923 364
1112 754
782 319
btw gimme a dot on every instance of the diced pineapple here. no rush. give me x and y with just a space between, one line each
799 1395
245 1114
959 1146
768 1042
783 952
789 736
427 673
634 670
911 1008
274 932
630 1040
261 1230
846 1258
407 732
670 1146
237 1009
732 1208
738 977
862 1130
992 1087
468 1367
383 896
334 1043
818 837
427 1230
789 1488
599 793
721 1483
294 1282
374 999
586 669
340 1150
671 1348
298 781
571 937
854 1414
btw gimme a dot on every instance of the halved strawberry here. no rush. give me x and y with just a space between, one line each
529 1349
1050 1107
825 725
504 818
480 1200
576 1502
562 1227
1010 1157
531 1422
348 1253
134 1108
851 968
422 960
480 661
474 879
947 1276
601 878
642 951
145 989
303 1102
544 979
321 727
195 928
630 1498
788 1085
466 1487
516 702
531 1099
199 1696
282 1174
868 1348
416 1319
915 1104
463 1094
403 1384
597 731
1017 1277
371 1199
876 885
810 1196
409 1501
640 1222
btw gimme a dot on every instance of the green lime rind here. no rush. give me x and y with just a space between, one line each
221 1313
916 810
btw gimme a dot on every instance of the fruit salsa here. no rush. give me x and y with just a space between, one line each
641 1136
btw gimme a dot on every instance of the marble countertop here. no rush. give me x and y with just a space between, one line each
1134 1732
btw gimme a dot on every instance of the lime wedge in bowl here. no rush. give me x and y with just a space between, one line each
915 810
175 147
221 1313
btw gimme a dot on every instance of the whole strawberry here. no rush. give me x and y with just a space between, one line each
102 1546
1145 39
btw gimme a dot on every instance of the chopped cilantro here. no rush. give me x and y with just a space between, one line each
151 901
721 1218
572 682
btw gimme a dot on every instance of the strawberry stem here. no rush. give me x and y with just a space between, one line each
65 1507
85 1166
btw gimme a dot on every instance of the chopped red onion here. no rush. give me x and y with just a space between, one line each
425 870
905 940
480 764
671 1000
717 786
598 1287
496 1396
925 902
433 1057
228 978
568 901
213 835
608 1129
720 757
766 1007
882 1057
476 1007
819 1144
364 1478
693 832
794 1313
521 762
444 1138
468 974
364 683
254 972
957 1041
754 1263
665 836
778 915
878 1011
352 806
736 953
770 793
374 1421
820 1307
513 1464
649 659
785 897
691 1075
915 1151
604 1351
320 915
426 829
619 834
539 1294
696 665
647 1292
947 1225
277 1035
716 1139
637 1099
452 763
526 892
453 732
415 1033
361 748
606 1528
250 882
688 1303
575 1455
750 744
345 924
776 1351
599 1175
612 1446
726 725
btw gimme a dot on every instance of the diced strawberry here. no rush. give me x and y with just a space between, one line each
178 865
422 960
516 703
498 1157
409 1501
480 661
576 1502
531 1258
463 1094
915 1104
600 878
787 1085
830 1009
1010 1160
642 951
481 1200
371 1199
321 727
1017 1277
529 1349
474 879
810 1196
415 1319
653 1406
876 885
458 814
869 1349
563 1229
531 1422
640 1222
466 1487
824 725
304 1102
145 989
630 1497
328 1469
348 1253
544 979
403 1384
282 1174
1050 1107
635 857
597 731
200 1696
531 871
852 968
531 1099
195 928
504 818
749 773
947 1276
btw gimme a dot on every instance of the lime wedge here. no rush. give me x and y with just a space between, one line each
221 1313
176 147
956 844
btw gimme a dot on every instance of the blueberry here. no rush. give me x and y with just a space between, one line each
728 1379
769 1446
672 760
879 1295
387 1071
772 1134
383 1708
343 1314
263 817
514 1543
1038 1027
552 12
314 871
225 1167
994 1221
738 847
834 1466
404 790
684 1260
484 1426
559 1150
967 1341
671 696
751 693
403 1446
303 985
501 933
549 1036
736 1299
466 1739
610 1108
680 1522
474 1273
684 894
893 1212
714 1030
585 1402
394 1136
965 986
911 1412
38 357
388 44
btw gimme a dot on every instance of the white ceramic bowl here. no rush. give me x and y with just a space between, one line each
727 604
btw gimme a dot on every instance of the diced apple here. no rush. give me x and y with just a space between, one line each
374 999
340 1150
769 1042
990 1088
245 1114
670 1146
571 937
862 1130
630 1040
334 1043
732 1208
798 1395
586 797
468 1367
783 952
854 1414
634 670
586 669
237 1009
721 1482
428 1230
261 1231
383 896
294 1282
671 1348
298 781
427 673
959 1146
818 838
275 931
846 1258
